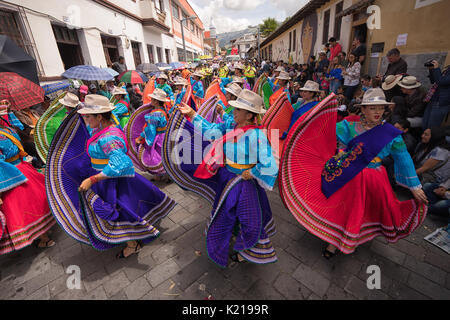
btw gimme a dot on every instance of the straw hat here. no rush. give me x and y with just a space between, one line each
279 69
391 81
160 95
311 86
118 90
70 100
163 76
179 81
95 104
409 82
198 74
250 101
234 89
374 96
284 76
239 66
237 79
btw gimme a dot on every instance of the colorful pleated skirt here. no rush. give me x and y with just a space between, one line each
240 207
113 211
25 214
364 208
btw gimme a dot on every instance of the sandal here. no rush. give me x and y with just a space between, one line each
46 244
235 258
121 255
327 254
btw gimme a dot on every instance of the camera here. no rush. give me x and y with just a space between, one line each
428 64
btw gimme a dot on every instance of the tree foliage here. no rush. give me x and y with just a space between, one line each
268 26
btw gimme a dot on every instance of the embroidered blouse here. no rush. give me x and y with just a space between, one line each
405 173
10 176
108 154
121 109
242 153
156 124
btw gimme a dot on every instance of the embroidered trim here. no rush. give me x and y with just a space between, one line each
333 167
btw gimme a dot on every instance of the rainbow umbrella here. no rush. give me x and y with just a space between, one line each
133 77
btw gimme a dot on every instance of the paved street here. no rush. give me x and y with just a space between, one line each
176 266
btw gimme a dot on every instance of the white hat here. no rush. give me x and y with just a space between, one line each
409 82
279 69
118 90
160 95
237 79
311 86
162 75
239 66
284 76
198 74
234 89
70 100
250 101
179 81
391 81
95 104
374 96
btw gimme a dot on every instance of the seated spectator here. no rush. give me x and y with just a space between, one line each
413 100
432 156
390 86
408 138
398 111
396 64
438 198
366 82
324 84
438 97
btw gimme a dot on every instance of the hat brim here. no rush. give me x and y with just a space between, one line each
417 85
239 105
119 93
311 90
98 111
233 93
283 78
68 105
158 98
376 103
385 86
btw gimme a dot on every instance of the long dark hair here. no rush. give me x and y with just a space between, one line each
437 140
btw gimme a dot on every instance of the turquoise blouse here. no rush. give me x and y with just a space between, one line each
112 148
405 173
243 152
10 176
156 124
121 109
197 89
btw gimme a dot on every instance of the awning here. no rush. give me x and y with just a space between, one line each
354 8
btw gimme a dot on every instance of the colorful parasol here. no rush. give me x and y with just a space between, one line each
20 92
133 77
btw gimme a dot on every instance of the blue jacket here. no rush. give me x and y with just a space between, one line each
442 93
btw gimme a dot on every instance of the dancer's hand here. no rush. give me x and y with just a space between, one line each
85 185
186 110
139 140
420 195
246 175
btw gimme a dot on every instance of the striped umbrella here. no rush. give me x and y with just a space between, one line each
20 92
83 72
133 77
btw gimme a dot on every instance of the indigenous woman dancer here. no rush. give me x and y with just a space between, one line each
149 142
309 94
92 187
180 84
25 215
233 181
281 87
346 200
232 91
121 110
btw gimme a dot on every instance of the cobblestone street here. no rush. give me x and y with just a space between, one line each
176 266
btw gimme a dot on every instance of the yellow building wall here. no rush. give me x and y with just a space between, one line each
428 28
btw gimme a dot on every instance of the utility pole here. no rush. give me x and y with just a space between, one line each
182 34
258 45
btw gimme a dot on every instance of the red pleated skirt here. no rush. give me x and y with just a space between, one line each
25 212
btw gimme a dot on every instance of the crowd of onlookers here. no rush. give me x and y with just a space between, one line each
423 115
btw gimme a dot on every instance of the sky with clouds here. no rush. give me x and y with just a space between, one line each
234 15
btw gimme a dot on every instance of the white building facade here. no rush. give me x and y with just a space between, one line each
64 33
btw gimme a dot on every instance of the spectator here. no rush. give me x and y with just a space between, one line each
343 59
120 66
431 156
398 110
351 76
84 90
335 75
396 64
390 86
93 88
413 100
408 138
360 50
323 63
327 50
438 97
438 198
312 63
366 82
324 84
335 49
353 112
